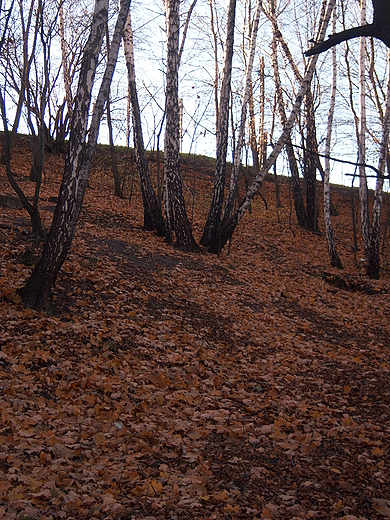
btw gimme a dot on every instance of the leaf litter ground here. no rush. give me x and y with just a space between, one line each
169 385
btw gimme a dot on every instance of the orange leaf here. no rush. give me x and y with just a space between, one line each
377 451
221 496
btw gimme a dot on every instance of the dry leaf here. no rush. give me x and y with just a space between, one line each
382 506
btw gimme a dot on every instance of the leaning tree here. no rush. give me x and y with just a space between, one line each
37 291
227 228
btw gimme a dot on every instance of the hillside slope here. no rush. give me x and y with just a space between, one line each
254 384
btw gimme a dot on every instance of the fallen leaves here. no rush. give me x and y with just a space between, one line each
192 386
382 506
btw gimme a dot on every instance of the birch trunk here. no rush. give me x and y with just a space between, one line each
211 229
363 190
185 30
253 136
114 161
311 161
332 249
247 91
153 218
174 205
216 70
299 205
373 259
64 60
307 217
262 149
37 291
228 230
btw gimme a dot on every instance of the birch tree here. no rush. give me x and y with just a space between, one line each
174 204
211 229
64 61
263 136
332 249
73 28
373 258
215 49
380 28
307 217
310 163
252 126
363 189
299 205
36 292
240 139
226 232
153 218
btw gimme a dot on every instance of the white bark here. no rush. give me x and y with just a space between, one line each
36 292
172 138
373 267
334 258
262 133
228 228
64 60
174 204
255 186
363 191
212 226
299 205
247 91
186 29
216 69
153 219
278 35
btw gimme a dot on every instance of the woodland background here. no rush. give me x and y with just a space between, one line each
173 385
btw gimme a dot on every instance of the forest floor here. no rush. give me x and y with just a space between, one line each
167 385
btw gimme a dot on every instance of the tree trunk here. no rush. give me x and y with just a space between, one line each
175 211
26 66
216 71
310 159
211 229
263 138
37 164
9 141
373 258
114 161
32 210
299 205
187 23
253 136
64 61
240 140
153 218
37 291
363 189
228 230
334 257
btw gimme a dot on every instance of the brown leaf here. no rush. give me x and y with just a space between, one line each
382 506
